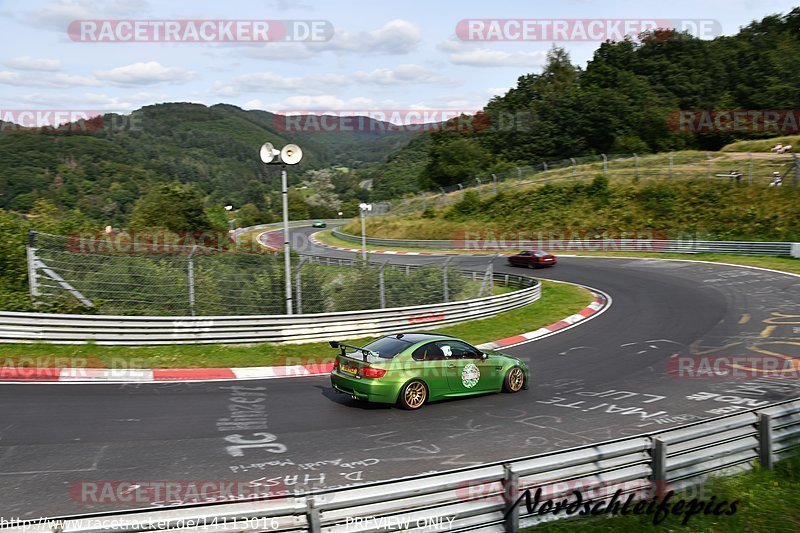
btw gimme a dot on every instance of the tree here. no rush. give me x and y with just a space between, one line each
171 206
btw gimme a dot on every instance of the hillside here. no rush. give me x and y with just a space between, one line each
696 207
625 100
102 171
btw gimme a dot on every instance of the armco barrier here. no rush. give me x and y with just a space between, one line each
482 498
154 330
674 246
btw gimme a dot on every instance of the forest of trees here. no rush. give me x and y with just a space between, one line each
621 102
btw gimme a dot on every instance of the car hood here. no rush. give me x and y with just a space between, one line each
496 354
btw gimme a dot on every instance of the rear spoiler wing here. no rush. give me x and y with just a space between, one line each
343 347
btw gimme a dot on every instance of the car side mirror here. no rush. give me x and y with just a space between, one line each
484 356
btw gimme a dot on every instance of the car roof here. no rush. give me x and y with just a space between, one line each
419 336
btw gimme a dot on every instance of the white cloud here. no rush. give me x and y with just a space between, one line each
288 52
271 82
149 73
47 80
395 37
60 13
465 53
403 75
32 63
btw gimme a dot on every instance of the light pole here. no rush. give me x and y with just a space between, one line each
291 154
363 208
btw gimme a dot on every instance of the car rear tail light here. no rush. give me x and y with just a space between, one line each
372 372
335 363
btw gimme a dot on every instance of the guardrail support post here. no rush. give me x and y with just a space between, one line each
659 466
765 440
511 493
312 516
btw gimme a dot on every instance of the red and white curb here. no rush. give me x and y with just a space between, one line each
599 305
145 375
317 242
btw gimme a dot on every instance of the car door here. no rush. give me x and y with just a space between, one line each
431 366
463 367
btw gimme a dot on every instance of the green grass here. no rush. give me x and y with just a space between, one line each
685 166
763 145
769 501
558 301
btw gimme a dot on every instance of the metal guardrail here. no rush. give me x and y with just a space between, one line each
16 327
783 249
482 498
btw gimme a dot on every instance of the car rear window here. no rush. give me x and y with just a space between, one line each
540 254
387 347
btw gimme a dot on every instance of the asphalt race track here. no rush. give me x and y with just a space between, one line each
607 378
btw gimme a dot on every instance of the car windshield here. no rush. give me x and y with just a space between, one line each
387 347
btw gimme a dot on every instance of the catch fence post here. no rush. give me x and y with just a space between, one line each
572 159
635 166
33 276
605 164
708 165
382 285
190 279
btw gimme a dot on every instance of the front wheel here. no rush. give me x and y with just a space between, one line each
413 395
515 379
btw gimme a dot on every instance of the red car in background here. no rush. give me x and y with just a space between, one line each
532 259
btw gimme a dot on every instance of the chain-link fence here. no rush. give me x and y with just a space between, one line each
195 280
739 167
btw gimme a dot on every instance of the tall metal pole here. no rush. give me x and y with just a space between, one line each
287 259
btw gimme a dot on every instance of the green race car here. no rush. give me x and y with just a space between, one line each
319 224
413 368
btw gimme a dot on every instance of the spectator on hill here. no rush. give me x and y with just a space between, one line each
777 180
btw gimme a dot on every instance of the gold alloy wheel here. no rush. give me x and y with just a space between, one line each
415 394
515 379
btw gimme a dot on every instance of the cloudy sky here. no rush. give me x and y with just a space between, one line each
382 55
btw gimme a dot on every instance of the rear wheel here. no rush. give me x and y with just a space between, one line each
515 379
413 395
